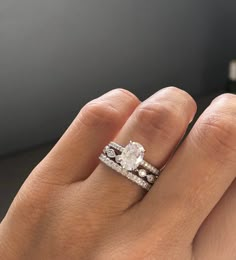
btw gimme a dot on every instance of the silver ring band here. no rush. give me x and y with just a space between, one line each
129 162
134 178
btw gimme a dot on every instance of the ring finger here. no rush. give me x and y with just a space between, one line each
158 124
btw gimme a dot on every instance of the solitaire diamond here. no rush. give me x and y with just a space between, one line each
132 156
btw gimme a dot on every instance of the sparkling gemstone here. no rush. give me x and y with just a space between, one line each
132 156
150 178
105 149
129 175
118 159
111 153
142 173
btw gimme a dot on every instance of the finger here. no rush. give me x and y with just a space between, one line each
75 156
158 124
217 235
199 173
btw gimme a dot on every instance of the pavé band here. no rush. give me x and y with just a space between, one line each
129 162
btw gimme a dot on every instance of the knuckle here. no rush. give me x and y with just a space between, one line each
151 113
218 131
217 128
103 111
184 96
126 94
225 99
175 90
97 113
157 117
124 97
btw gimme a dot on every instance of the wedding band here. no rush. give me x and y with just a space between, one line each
129 162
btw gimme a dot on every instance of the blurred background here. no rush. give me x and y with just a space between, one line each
55 55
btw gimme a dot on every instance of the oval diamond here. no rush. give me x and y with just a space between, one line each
132 156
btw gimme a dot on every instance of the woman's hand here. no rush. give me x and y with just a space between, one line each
73 207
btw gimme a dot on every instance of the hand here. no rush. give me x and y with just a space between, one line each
73 207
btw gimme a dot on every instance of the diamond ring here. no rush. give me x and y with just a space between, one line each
129 162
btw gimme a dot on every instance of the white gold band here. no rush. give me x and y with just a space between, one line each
129 162
134 178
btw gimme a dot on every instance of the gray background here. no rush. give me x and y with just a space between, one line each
55 55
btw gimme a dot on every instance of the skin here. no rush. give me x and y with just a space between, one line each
73 207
